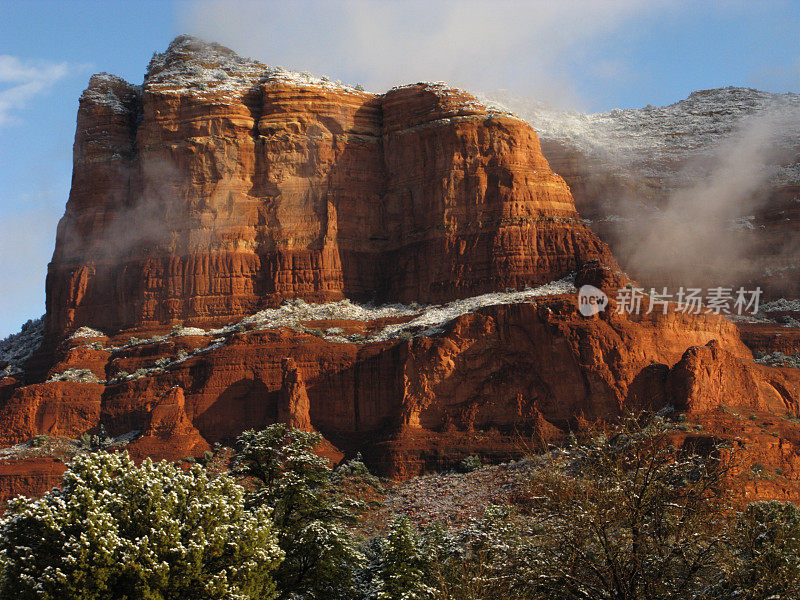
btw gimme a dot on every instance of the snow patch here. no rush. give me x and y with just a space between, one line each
87 332
778 359
111 91
743 223
428 319
186 331
76 375
652 139
781 305
194 67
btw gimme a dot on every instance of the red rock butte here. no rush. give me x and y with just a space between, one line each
222 186
226 194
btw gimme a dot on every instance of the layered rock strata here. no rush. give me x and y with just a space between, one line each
222 186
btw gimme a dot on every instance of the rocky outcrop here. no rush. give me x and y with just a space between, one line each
293 404
168 432
708 377
64 408
29 477
735 150
497 380
222 186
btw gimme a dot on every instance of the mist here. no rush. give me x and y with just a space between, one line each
532 46
705 233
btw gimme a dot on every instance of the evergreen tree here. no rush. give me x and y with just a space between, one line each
311 519
402 570
152 532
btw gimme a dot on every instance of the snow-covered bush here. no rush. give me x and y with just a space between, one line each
402 571
87 332
778 359
120 377
77 375
469 464
115 530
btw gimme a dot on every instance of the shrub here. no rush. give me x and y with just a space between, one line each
401 572
469 464
765 553
625 515
40 440
115 531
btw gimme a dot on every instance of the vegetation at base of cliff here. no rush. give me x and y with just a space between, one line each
623 514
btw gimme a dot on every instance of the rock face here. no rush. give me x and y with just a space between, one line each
708 377
293 405
168 431
222 186
259 207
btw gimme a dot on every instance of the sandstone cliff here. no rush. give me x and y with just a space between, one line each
221 186
630 170
226 224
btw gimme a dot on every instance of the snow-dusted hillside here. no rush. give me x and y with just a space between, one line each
654 139
19 347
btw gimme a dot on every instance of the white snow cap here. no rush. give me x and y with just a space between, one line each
193 66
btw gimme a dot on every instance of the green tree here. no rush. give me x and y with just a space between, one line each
153 532
402 568
311 518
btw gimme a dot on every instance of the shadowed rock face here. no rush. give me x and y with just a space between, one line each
222 186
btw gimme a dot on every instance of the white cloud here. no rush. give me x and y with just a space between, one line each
525 45
20 81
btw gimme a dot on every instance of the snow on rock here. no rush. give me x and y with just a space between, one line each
87 332
465 102
185 331
778 359
653 138
434 318
742 223
19 347
76 375
424 320
111 92
428 320
781 305
193 66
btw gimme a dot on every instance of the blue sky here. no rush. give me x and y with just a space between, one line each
577 54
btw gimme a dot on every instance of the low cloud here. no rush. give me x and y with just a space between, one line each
22 80
694 237
525 45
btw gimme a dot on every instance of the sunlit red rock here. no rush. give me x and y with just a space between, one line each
208 195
